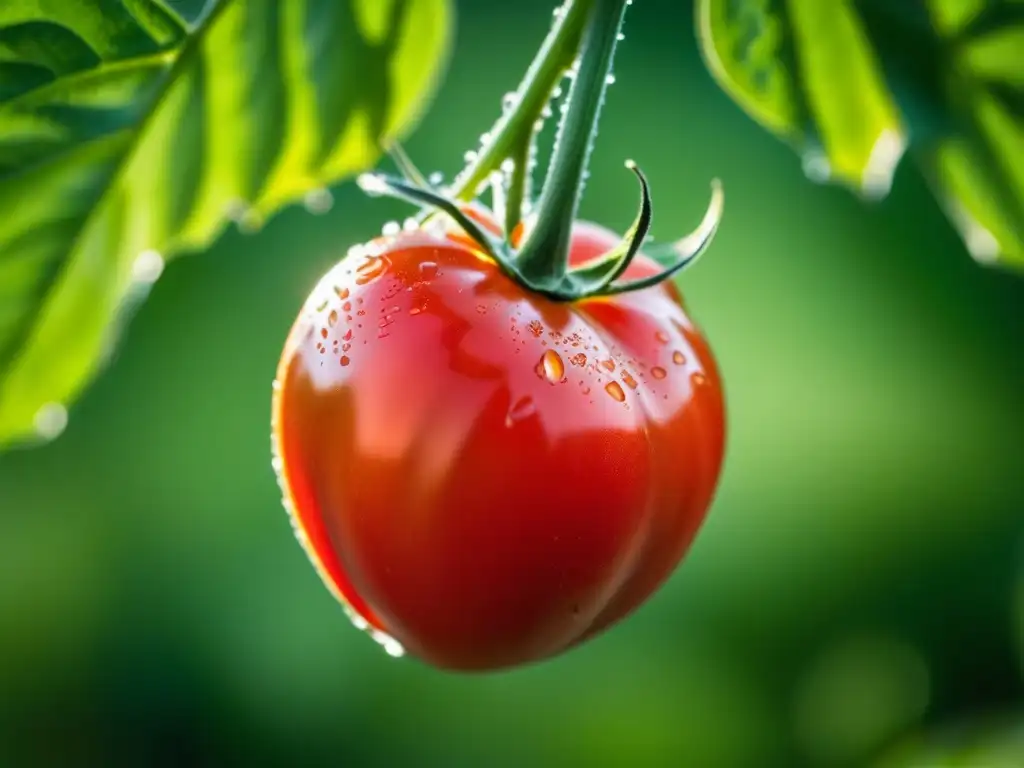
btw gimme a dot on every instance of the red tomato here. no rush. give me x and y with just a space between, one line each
482 475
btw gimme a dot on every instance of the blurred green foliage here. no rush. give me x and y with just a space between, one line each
854 587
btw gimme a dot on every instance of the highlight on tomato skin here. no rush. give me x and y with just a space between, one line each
484 477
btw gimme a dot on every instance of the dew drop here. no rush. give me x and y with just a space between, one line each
318 201
348 335
323 333
536 328
678 358
509 101
371 269
609 80
816 166
390 229
662 337
608 365
332 318
250 222
50 421
579 359
435 179
345 360
342 292
629 380
428 269
658 372
147 267
519 410
551 367
470 156
481 309
698 379
391 647
615 390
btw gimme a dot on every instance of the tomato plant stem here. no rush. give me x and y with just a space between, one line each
511 134
545 253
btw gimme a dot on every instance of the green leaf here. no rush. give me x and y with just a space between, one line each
853 85
129 134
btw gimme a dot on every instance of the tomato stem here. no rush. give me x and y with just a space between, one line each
517 188
581 45
544 255
513 131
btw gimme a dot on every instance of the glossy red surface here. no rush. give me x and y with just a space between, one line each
484 475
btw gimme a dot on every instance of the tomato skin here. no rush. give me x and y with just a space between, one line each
487 476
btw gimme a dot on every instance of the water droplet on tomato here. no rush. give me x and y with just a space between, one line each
371 269
698 379
678 358
551 367
332 318
428 269
658 372
391 646
519 410
348 335
481 309
629 380
345 360
579 360
536 328
342 292
323 333
608 365
662 337
616 391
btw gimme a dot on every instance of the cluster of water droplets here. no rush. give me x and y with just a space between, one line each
569 356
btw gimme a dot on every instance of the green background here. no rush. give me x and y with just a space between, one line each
856 578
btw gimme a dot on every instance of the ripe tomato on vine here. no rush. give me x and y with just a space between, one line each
498 436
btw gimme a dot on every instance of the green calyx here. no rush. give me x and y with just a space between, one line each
581 46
